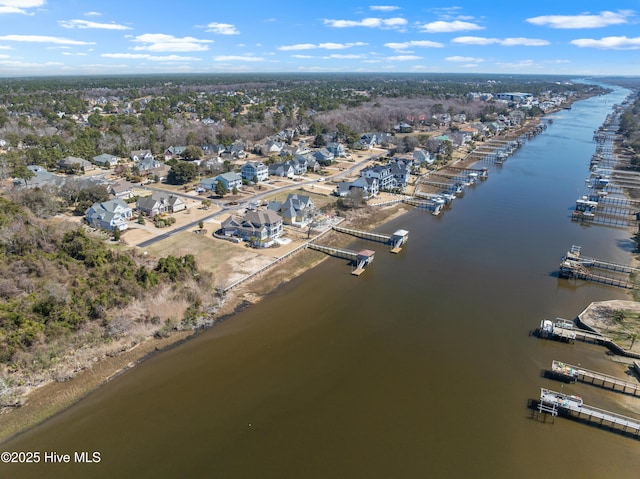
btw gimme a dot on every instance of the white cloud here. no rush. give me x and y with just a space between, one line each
414 43
464 59
521 64
326 46
338 56
43 39
222 28
404 58
19 6
92 14
235 58
609 43
454 26
160 42
302 56
476 40
384 8
527 42
5 47
75 54
143 56
586 20
368 22
505 42
83 24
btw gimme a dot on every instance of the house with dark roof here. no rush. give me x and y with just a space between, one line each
382 173
71 164
282 170
174 152
262 228
324 156
109 214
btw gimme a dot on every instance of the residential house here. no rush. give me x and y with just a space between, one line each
382 173
73 164
272 147
296 210
324 156
237 151
122 190
337 149
41 178
139 155
342 189
262 227
284 169
160 202
229 180
423 156
367 141
400 169
109 214
174 152
369 185
254 171
106 160
146 165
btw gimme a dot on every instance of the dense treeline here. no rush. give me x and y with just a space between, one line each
54 279
630 130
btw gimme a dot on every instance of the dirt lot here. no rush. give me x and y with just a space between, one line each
616 319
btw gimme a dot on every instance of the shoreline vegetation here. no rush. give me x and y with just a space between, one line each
55 396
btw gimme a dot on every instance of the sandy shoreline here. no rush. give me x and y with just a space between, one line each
54 397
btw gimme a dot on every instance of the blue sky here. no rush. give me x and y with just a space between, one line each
89 37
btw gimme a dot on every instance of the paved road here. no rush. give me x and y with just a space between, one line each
243 204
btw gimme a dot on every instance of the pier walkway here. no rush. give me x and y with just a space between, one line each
571 373
361 259
396 240
556 404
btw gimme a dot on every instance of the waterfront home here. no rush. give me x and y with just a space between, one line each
109 214
160 202
342 189
261 228
254 171
139 155
106 159
71 164
423 156
400 169
382 173
296 210
368 185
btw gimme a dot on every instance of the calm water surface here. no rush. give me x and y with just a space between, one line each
422 367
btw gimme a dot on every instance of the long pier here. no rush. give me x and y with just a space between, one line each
574 265
563 330
396 240
559 404
570 373
361 259
432 206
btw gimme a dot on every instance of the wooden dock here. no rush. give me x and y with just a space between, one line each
396 240
432 206
563 330
564 405
574 265
361 259
570 373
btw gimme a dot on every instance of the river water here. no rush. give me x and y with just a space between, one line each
421 367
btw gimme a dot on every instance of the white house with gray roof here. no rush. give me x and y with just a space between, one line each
109 214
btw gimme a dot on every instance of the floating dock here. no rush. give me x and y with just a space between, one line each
570 373
396 240
563 330
558 404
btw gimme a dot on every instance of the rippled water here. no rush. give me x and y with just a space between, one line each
421 367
